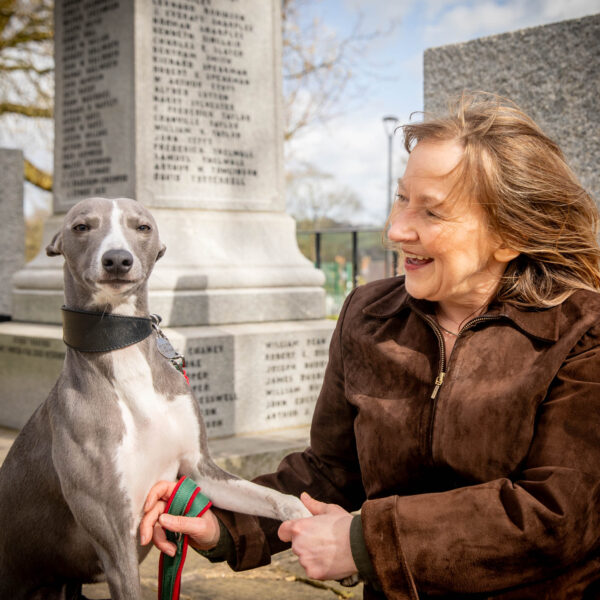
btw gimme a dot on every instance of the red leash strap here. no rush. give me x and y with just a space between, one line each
186 500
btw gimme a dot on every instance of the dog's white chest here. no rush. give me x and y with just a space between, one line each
159 434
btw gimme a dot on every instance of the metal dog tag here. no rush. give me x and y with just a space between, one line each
165 348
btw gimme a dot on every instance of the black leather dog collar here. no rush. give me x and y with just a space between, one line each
102 332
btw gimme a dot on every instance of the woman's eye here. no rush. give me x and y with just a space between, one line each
401 198
144 228
81 227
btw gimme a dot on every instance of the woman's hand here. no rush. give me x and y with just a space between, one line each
204 531
321 542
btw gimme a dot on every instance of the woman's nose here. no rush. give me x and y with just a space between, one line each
402 229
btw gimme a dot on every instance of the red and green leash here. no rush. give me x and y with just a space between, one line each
186 500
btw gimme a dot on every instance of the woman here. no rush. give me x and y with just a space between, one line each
460 409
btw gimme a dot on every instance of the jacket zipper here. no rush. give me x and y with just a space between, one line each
439 380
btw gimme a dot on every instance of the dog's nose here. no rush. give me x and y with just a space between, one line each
117 262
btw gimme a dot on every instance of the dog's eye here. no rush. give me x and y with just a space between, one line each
81 227
144 228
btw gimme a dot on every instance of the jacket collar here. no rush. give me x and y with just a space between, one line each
542 324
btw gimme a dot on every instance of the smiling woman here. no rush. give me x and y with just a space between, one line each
451 256
460 408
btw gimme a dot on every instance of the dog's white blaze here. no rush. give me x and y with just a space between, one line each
158 434
116 237
114 240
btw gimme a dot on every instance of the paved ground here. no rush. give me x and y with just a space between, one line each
283 579
201 580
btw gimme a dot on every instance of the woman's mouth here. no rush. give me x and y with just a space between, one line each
415 261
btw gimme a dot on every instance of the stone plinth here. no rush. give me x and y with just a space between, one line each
178 105
246 378
12 240
552 72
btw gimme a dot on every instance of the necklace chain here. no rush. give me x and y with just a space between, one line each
460 325
447 330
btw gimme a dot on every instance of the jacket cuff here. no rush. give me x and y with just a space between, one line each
249 546
224 550
361 557
382 540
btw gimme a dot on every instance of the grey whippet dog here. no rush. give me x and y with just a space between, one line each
73 485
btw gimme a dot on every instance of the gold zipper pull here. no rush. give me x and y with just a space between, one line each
438 384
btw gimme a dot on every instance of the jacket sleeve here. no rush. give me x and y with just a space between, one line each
328 470
505 532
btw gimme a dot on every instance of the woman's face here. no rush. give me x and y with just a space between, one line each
450 256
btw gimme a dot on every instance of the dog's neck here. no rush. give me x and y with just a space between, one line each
78 297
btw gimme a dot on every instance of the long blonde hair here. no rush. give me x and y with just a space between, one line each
532 199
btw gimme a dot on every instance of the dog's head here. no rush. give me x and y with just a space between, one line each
110 247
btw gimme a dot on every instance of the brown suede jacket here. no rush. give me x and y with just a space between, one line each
478 474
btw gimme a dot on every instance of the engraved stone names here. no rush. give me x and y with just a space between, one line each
293 374
255 377
94 149
198 69
212 125
209 365
193 122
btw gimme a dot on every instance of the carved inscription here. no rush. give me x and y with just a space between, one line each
293 371
280 390
203 130
209 366
91 52
28 348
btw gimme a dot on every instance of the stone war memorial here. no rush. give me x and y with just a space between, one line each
178 105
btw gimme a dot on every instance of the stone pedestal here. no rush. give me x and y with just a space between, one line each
12 240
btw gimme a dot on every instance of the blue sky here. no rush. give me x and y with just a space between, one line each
353 147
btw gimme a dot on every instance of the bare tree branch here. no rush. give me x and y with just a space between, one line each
37 177
319 67
26 110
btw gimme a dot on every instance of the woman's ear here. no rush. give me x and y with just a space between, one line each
504 254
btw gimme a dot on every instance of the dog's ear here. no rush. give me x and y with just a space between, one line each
54 248
161 252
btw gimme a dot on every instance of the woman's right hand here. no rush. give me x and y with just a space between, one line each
203 531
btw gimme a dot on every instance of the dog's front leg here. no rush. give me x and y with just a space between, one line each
232 493
103 514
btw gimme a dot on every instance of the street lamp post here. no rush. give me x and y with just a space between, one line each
389 124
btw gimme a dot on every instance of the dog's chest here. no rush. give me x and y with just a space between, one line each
159 433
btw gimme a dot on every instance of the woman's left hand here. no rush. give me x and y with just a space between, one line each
321 542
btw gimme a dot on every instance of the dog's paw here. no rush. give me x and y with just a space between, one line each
295 510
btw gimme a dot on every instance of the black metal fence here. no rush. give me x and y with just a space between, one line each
348 257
